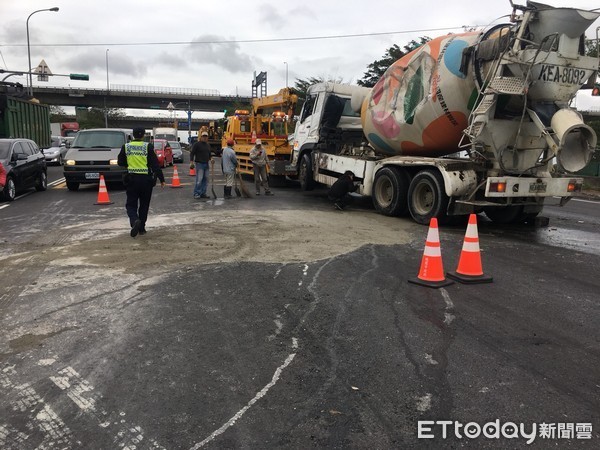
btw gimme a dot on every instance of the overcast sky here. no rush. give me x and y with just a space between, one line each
76 39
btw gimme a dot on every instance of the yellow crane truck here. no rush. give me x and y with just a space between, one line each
268 121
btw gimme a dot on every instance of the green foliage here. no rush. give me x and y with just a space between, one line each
94 117
377 68
591 47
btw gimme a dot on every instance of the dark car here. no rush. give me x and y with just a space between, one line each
94 152
25 167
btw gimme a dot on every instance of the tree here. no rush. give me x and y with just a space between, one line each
377 68
94 117
302 84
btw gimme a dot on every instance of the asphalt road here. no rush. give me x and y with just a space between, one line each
336 352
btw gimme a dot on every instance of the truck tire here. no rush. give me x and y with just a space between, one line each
41 183
72 185
10 190
305 174
390 191
427 197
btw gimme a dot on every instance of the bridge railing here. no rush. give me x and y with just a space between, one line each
164 90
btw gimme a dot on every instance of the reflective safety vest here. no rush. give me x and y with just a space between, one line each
137 157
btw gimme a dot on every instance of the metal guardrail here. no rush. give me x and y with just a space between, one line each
164 90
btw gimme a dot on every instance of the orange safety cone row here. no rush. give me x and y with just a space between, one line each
431 273
469 268
176 181
103 198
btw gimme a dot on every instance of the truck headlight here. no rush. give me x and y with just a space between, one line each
113 162
70 162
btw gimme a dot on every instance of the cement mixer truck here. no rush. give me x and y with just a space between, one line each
465 123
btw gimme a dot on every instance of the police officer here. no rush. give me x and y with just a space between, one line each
142 166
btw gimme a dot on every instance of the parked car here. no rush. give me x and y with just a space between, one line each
164 152
177 151
25 167
57 152
94 152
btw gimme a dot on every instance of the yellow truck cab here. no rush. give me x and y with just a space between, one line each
268 120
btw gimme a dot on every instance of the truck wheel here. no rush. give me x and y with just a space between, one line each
390 191
305 175
10 190
41 184
427 197
72 185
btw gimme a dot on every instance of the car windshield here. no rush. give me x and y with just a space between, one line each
174 145
4 150
105 139
158 145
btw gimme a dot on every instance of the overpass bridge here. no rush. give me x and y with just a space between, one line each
140 97
149 122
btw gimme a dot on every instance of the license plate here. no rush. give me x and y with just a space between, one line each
537 187
92 176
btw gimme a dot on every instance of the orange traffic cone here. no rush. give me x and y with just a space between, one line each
176 181
103 193
431 273
193 171
253 138
469 265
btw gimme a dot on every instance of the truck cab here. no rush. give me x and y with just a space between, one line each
329 122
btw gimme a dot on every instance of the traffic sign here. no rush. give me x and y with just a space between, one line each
43 71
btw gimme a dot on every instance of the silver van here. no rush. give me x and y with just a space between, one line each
93 153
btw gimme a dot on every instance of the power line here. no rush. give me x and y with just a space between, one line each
243 41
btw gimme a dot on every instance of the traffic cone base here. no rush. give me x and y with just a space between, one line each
103 198
470 279
469 268
431 273
431 284
176 183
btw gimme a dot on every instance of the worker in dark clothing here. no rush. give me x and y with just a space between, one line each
201 156
142 166
339 192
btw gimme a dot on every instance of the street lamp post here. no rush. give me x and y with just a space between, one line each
55 9
286 73
107 89
171 107
107 85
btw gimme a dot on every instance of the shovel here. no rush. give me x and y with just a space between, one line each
212 179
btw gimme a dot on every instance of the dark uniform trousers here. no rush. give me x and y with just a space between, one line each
139 192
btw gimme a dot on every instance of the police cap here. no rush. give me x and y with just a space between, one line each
139 132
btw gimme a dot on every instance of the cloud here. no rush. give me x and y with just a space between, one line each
226 55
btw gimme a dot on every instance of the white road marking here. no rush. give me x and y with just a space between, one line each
57 182
256 398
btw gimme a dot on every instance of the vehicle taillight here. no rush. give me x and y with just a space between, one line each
499 186
574 186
